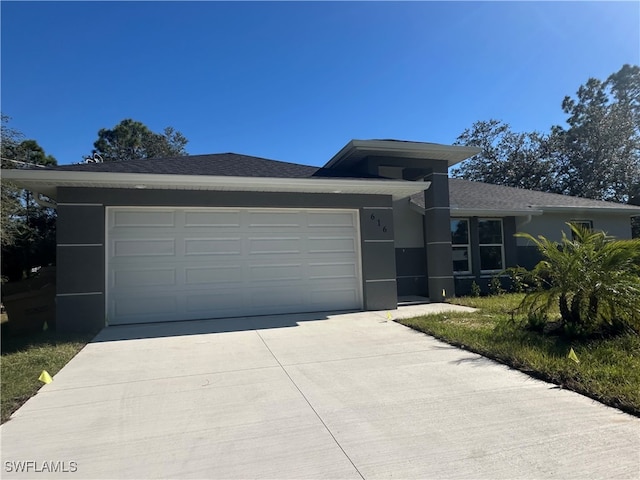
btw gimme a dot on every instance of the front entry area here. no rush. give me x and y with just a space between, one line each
171 264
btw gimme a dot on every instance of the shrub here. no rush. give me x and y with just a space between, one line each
495 286
475 289
517 279
593 278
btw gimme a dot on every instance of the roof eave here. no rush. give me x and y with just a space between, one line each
488 212
623 209
453 154
47 182
481 212
533 210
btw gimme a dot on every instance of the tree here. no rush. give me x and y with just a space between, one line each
130 140
9 141
507 158
28 229
594 279
598 154
635 221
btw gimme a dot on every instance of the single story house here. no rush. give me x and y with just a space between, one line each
226 235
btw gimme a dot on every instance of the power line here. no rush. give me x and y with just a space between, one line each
22 163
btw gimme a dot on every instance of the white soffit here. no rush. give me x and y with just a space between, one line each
46 182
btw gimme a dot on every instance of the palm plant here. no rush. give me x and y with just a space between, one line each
593 278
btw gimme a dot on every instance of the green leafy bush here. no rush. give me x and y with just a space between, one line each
594 279
495 286
475 289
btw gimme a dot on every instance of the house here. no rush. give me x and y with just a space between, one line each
227 235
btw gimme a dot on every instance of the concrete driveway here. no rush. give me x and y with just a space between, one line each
307 396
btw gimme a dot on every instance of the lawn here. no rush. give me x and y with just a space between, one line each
609 369
24 358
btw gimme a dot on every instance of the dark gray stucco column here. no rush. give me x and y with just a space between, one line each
378 258
437 235
80 282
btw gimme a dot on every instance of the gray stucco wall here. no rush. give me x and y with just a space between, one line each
408 225
411 272
411 259
551 225
81 236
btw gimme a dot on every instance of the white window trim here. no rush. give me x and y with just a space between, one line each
580 222
501 245
467 245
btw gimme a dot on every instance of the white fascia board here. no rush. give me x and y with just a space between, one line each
486 212
630 210
479 212
415 148
45 180
406 149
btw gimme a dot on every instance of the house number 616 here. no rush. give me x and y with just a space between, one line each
374 219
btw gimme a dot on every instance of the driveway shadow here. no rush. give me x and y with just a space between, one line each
215 325
476 360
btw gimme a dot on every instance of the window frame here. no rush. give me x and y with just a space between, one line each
501 245
460 245
582 222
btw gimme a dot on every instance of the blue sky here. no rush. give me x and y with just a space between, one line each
295 81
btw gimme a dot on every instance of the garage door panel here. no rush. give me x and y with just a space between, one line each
331 245
274 218
331 219
276 272
337 298
332 270
150 277
144 247
276 296
230 262
145 305
213 246
143 218
213 275
275 245
210 305
212 219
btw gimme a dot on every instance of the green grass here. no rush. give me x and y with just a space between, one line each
24 358
609 369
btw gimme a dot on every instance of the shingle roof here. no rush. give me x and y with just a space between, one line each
220 164
467 195
463 194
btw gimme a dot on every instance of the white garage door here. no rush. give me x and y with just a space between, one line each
166 264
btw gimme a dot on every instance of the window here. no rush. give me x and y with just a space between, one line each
461 245
588 224
491 244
